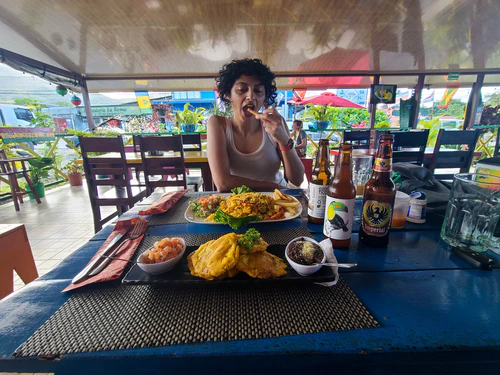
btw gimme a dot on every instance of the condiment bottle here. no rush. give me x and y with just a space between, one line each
418 203
340 201
378 199
319 184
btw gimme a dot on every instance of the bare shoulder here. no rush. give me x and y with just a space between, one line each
216 122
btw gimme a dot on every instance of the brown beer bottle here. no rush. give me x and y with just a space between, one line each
319 184
340 201
378 199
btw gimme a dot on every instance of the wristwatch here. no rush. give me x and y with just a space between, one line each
289 145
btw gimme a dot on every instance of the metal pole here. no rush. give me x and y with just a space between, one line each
418 99
474 96
373 107
86 102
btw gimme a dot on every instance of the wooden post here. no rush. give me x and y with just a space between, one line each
418 99
88 108
373 107
474 97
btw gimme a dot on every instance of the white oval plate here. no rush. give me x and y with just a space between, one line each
189 214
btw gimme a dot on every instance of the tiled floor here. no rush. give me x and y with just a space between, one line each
56 227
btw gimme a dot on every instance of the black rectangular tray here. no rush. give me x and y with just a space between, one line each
181 276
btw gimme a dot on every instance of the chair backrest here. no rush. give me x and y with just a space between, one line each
191 142
359 139
458 157
409 146
4 167
135 142
171 163
104 170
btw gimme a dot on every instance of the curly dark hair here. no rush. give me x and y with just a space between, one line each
248 67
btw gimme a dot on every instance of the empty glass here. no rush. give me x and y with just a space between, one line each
361 172
472 213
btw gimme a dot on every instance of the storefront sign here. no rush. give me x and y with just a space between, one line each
19 134
116 110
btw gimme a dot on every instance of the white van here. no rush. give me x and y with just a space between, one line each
15 115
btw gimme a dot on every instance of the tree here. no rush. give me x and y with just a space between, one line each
42 119
493 100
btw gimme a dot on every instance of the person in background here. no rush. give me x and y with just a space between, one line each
248 149
300 138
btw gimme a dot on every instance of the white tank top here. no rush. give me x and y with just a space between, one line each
260 165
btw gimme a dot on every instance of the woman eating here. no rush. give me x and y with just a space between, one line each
248 148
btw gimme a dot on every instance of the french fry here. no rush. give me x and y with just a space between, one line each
292 210
252 111
286 203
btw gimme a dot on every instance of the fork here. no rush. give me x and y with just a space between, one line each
136 232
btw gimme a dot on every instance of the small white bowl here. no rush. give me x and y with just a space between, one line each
159 268
301 269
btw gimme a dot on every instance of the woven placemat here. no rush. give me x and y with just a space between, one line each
176 214
147 316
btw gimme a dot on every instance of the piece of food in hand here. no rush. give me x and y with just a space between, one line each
305 252
205 206
262 265
163 250
214 258
252 111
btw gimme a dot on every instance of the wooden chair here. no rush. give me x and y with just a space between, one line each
460 158
359 139
15 254
8 168
111 171
192 142
165 166
409 146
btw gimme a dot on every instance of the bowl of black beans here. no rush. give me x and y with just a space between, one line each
305 255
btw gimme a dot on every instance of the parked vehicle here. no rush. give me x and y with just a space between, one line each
15 115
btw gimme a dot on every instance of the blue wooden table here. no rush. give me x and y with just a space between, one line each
437 314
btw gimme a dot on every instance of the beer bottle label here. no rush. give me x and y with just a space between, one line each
382 165
376 219
317 198
338 218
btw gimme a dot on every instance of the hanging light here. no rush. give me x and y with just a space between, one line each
61 90
76 101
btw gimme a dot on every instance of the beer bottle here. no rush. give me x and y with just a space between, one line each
378 199
340 200
319 184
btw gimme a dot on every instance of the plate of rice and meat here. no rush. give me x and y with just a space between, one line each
243 206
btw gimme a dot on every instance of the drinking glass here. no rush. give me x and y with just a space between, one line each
361 172
472 213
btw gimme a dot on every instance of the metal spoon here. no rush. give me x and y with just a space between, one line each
340 265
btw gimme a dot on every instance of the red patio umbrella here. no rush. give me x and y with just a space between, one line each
327 98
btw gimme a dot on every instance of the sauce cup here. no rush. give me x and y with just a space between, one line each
302 269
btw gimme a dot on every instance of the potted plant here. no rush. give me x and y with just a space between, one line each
319 115
39 171
74 172
188 119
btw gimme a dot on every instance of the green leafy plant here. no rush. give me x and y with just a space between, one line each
222 110
318 113
39 169
188 116
41 119
382 125
72 168
433 125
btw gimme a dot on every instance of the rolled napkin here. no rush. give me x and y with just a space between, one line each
327 247
164 204
127 249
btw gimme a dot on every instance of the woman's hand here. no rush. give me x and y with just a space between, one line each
274 125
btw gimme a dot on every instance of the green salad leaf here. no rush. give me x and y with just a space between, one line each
234 222
250 237
241 189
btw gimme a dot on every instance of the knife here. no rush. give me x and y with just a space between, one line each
94 264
